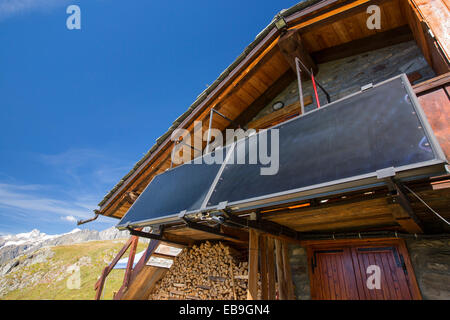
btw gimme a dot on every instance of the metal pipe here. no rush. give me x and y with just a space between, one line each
318 83
80 222
299 80
224 116
209 130
210 124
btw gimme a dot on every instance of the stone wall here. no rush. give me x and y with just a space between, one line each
431 263
345 76
299 268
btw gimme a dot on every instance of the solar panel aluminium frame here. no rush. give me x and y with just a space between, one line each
174 216
425 168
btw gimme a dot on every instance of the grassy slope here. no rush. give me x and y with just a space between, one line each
52 274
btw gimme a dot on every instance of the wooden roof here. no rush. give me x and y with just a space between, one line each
259 73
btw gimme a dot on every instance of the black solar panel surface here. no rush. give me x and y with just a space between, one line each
375 129
361 134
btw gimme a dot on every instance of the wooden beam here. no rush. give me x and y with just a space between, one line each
263 100
263 267
404 220
291 46
130 263
100 283
279 116
401 209
439 61
340 12
144 284
435 14
271 268
152 246
115 260
432 84
252 292
376 41
287 272
282 290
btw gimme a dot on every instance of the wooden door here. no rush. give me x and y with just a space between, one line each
394 284
332 275
348 272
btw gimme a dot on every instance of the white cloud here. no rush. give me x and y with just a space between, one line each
77 180
69 218
12 7
19 197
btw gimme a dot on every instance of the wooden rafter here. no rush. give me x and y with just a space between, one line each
253 250
401 209
291 46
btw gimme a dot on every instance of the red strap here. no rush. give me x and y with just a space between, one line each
315 90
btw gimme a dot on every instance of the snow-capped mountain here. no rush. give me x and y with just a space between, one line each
34 237
12 246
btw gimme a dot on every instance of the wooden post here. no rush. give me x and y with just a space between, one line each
114 262
129 269
252 293
271 268
152 246
263 267
101 283
291 47
282 290
287 272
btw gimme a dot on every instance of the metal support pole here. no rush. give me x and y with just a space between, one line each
299 80
209 130
210 124
174 150
224 116
317 82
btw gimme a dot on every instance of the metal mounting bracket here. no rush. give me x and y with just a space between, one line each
152 236
405 217
367 87
203 227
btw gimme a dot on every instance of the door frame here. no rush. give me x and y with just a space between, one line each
312 245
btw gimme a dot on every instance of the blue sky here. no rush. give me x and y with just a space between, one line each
79 108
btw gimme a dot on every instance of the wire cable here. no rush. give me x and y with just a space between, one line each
420 199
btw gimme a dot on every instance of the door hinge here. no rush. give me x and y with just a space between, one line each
403 264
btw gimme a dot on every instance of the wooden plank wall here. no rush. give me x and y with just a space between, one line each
434 96
437 15
433 50
348 23
269 264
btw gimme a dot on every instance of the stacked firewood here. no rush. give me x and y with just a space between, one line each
204 272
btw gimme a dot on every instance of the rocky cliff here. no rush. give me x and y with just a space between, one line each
12 246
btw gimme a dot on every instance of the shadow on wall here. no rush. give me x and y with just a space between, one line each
431 263
300 275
